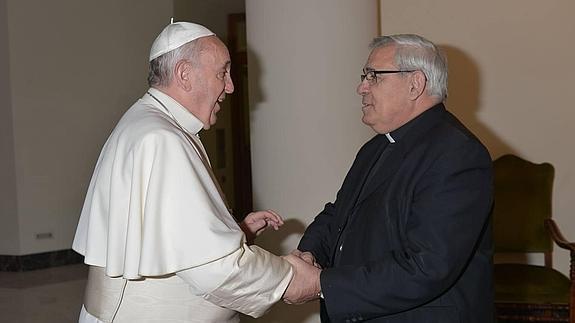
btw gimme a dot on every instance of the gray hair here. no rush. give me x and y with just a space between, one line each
417 53
162 67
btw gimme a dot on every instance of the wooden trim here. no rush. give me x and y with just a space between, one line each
240 122
549 313
560 240
39 260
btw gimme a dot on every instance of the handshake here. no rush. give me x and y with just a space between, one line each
305 284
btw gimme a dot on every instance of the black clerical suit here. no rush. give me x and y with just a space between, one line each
408 238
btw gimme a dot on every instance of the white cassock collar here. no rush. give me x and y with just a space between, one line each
176 111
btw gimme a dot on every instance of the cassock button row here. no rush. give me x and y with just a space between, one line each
340 247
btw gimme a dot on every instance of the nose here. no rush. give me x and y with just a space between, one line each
229 87
362 88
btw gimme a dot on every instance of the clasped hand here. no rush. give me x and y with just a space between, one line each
305 285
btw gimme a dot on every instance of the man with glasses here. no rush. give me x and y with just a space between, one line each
407 238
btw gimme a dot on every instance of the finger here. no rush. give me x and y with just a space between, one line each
276 225
264 215
309 260
271 220
276 216
308 257
273 223
290 258
295 261
296 252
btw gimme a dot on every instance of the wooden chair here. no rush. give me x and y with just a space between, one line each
522 224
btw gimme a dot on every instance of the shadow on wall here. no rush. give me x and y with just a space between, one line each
255 71
464 99
276 241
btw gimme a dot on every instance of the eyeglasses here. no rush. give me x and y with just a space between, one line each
371 76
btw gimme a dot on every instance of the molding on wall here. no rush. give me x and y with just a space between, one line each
40 260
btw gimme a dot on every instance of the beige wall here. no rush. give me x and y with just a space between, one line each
212 14
304 64
511 79
9 238
74 68
68 71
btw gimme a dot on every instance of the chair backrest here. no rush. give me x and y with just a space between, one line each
523 193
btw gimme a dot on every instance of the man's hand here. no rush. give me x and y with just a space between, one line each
256 222
305 285
307 257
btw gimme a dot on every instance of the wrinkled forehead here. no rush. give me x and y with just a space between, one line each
213 49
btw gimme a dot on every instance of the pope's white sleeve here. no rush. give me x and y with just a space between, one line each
250 280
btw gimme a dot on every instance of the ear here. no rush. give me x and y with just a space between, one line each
182 75
417 84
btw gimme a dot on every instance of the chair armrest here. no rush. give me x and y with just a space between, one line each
557 236
563 243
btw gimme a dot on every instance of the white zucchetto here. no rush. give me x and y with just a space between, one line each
175 35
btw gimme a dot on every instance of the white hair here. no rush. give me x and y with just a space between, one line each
161 67
414 52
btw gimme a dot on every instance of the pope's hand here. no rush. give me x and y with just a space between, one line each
305 285
257 222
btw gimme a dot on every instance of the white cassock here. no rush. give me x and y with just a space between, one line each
160 242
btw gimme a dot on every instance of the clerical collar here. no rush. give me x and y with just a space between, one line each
390 138
175 110
397 134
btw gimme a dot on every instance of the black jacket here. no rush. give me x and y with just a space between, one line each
410 242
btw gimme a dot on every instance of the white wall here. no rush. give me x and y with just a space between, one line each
74 68
511 65
305 59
